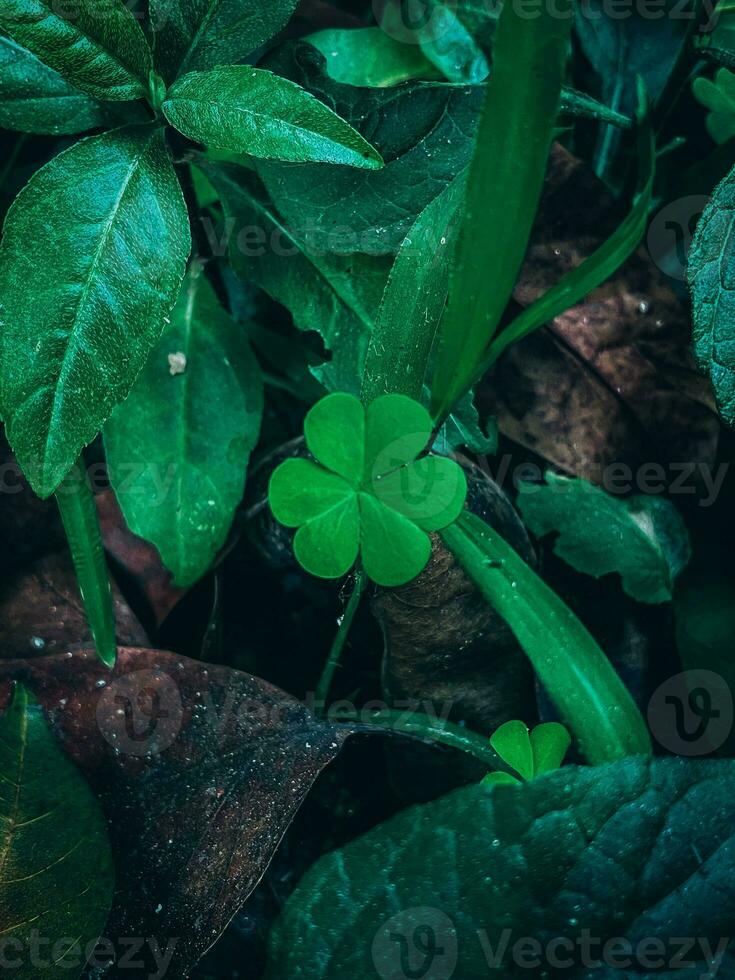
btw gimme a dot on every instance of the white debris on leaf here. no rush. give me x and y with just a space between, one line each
177 363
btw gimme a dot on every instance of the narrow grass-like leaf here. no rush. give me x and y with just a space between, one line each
505 181
100 49
590 697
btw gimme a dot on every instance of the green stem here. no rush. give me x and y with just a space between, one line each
79 516
423 726
325 681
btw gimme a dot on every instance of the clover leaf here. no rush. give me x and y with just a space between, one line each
530 753
367 493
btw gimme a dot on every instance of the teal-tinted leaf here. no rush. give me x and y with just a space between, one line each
414 300
642 849
248 110
550 742
641 538
369 491
335 434
101 51
512 742
369 57
718 95
504 187
178 448
327 545
423 130
589 695
36 99
463 428
334 295
193 35
393 549
300 490
711 275
82 304
451 48
56 872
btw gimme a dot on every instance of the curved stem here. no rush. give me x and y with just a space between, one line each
79 516
422 726
325 681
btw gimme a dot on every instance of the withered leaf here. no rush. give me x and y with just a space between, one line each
612 380
199 769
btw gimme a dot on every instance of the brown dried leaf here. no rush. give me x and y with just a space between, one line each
611 380
199 768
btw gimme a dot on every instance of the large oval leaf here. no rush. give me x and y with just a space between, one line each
711 273
92 257
249 110
640 850
199 768
101 51
56 874
197 34
178 448
36 99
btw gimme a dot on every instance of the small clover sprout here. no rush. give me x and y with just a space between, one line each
530 754
368 493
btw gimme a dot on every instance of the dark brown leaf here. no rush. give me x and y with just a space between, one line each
611 380
200 770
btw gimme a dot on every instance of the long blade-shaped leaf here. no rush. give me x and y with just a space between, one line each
589 695
413 301
506 177
575 285
99 48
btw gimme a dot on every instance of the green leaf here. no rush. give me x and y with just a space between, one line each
718 95
35 99
550 742
423 130
338 296
56 872
83 303
369 57
368 492
576 284
641 538
513 744
249 110
451 48
463 428
711 271
504 187
590 697
102 52
641 849
414 300
194 35
189 424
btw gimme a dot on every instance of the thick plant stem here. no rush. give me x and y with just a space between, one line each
79 516
325 681
433 729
